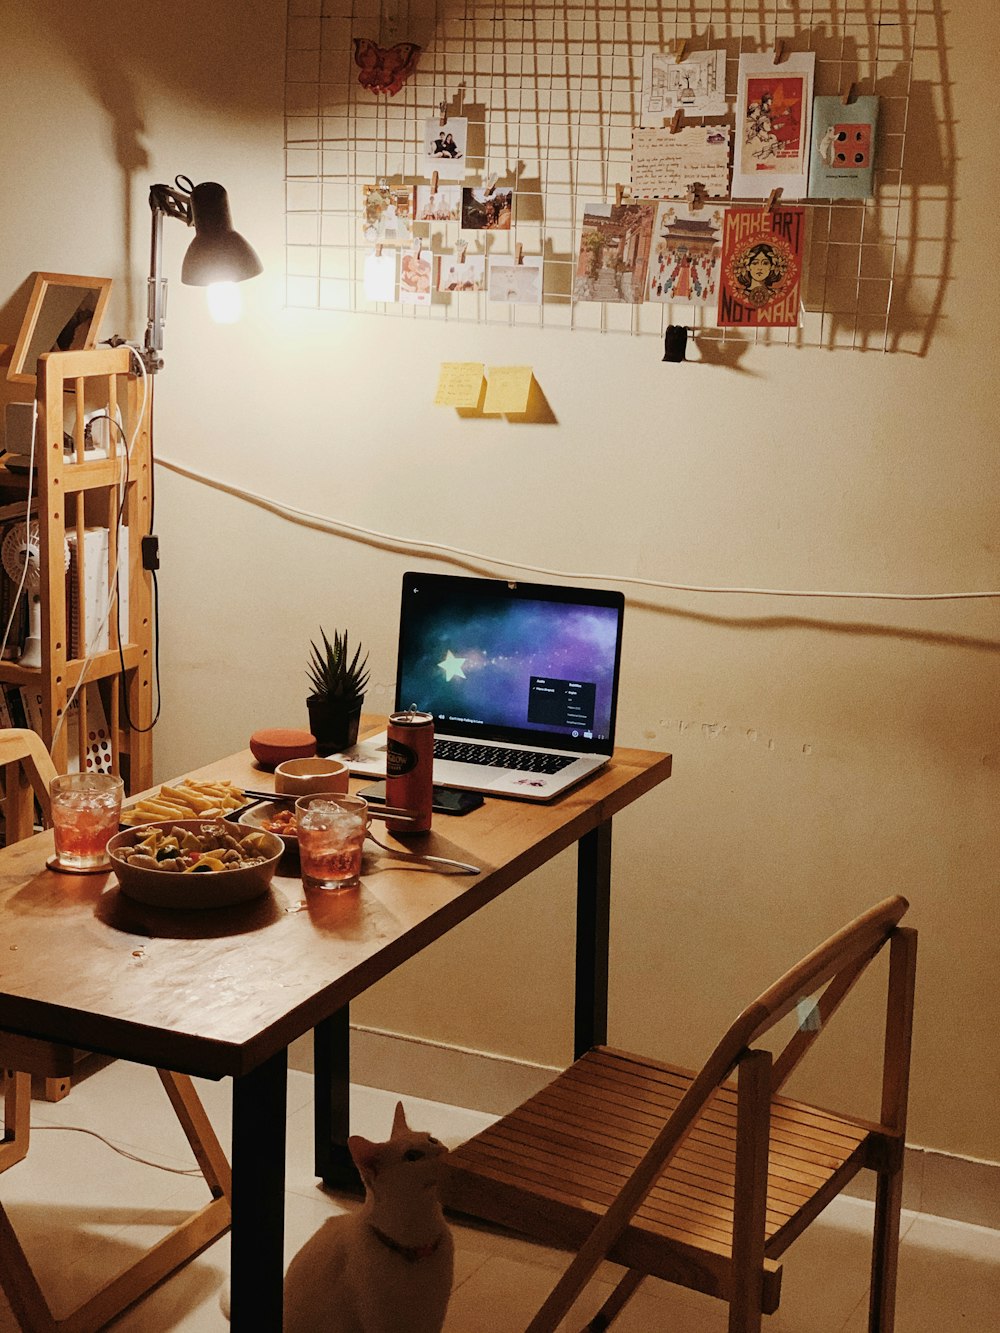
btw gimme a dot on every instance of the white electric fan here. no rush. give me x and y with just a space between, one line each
21 547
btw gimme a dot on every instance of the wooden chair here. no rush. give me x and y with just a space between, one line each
28 769
691 1178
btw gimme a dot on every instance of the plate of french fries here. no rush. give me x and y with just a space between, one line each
185 800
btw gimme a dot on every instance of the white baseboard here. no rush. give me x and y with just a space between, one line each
940 1183
477 1080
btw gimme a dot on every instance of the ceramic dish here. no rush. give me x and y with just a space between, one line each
193 892
257 816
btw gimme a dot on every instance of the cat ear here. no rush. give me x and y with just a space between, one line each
364 1154
399 1125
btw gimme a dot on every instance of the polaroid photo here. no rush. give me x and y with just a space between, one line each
387 214
487 210
441 205
466 275
445 147
773 121
510 283
415 278
380 277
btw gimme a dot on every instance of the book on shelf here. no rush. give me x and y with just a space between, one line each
92 632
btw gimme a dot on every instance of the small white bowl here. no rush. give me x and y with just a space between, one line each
308 777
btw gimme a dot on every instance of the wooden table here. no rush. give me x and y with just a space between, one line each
223 994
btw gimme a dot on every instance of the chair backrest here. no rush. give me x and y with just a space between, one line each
28 769
836 965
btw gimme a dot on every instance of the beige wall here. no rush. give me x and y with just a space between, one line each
826 752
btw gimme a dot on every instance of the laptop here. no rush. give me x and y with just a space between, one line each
521 679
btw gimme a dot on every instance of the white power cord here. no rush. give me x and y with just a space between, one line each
339 528
27 519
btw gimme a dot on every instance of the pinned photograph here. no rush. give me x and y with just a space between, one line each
511 283
415 278
684 264
387 217
841 161
445 146
487 210
465 275
441 205
773 118
380 277
614 252
761 272
695 85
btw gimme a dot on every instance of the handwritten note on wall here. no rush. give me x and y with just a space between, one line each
460 384
666 165
507 389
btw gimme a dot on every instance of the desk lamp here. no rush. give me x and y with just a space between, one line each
217 258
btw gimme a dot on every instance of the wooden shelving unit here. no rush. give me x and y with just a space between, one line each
76 493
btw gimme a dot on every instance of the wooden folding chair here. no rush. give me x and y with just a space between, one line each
28 769
685 1176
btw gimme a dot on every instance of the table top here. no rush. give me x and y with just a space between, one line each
216 992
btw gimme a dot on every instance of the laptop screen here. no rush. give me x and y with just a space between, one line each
511 661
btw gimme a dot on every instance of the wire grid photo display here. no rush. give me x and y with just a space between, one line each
544 100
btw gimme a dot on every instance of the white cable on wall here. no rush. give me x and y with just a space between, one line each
352 530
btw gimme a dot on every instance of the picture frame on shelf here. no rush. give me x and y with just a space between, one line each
63 314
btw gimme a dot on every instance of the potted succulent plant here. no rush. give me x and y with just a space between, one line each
338 682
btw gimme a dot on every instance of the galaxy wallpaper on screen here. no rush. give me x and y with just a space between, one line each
482 664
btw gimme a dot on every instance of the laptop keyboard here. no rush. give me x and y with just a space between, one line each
527 761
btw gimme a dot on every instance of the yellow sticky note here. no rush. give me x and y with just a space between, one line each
459 384
507 389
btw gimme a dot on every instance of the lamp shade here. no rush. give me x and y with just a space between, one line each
217 253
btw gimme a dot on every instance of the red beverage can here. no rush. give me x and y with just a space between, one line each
409 777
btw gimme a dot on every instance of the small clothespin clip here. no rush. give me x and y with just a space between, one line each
490 183
519 253
442 113
378 250
696 195
678 121
619 195
779 51
679 48
847 94
461 247
772 199
434 182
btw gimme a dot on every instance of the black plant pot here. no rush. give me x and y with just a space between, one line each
334 722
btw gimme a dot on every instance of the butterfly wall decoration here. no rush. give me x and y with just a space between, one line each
384 69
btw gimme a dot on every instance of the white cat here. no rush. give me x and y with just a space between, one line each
386 1267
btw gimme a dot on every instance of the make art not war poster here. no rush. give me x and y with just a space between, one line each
761 270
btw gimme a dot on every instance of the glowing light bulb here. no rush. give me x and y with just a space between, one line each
224 303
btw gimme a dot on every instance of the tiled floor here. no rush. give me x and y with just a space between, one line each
82 1210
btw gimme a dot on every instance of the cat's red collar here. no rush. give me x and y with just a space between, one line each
411 1253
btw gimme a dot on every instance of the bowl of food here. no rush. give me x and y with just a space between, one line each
190 864
275 817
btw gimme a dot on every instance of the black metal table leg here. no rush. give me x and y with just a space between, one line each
331 1098
593 913
257 1262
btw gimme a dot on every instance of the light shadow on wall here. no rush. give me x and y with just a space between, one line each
198 54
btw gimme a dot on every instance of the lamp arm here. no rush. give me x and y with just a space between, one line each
164 201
